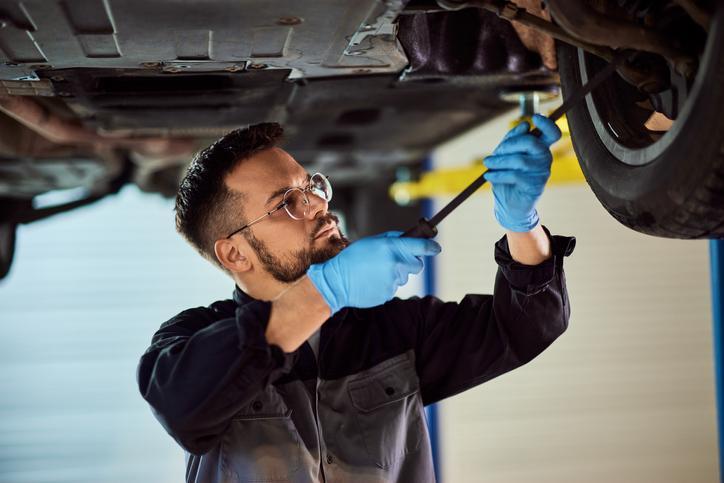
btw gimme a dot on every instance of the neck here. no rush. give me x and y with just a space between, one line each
262 288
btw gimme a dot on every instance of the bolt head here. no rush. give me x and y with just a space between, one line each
257 66
289 21
175 68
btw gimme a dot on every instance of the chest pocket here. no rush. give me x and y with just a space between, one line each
262 443
388 410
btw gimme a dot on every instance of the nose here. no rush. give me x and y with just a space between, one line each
317 206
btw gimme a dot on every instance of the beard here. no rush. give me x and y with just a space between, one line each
292 267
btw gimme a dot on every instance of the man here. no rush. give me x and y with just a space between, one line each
314 372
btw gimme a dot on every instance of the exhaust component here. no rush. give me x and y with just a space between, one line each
37 118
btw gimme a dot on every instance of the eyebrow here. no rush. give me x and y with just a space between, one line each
283 190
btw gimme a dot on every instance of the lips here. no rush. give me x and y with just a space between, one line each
325 230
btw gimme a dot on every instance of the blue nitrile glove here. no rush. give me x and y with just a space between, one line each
369 271
518 169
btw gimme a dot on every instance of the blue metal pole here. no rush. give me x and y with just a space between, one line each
430 289
716 251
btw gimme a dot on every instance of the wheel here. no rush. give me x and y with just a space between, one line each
666 182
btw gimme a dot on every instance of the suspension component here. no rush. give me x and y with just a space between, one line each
598 41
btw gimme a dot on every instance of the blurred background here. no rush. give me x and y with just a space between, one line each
626 394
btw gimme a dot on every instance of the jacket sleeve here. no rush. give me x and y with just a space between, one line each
201 369
461 345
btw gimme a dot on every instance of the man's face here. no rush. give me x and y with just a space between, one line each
284 247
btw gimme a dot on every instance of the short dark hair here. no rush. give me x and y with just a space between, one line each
206 209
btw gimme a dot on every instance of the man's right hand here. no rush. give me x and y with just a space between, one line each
369 271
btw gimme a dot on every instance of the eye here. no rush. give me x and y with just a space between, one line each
296 203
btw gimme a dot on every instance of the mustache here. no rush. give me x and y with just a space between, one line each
324 221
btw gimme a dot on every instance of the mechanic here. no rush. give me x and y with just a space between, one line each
313 371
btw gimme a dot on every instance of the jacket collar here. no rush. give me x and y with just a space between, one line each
241 297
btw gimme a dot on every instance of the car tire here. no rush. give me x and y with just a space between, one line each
673 187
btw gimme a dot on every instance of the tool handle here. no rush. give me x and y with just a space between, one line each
423 229
553 116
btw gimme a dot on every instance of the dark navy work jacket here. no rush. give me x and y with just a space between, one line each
244 410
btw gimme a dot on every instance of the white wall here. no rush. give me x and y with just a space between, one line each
87 290
627 393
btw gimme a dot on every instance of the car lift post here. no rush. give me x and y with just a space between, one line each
716 253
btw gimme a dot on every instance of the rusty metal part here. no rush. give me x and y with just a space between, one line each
658 122
512 12
533 39
53 128
583 22
697 14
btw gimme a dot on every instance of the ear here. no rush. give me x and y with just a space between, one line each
231 255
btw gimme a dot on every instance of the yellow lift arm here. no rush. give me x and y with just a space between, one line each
451 181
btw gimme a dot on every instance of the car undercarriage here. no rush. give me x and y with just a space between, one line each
98 94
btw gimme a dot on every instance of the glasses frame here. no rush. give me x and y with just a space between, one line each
284 203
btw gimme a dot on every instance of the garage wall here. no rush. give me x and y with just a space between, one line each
627 393
87 290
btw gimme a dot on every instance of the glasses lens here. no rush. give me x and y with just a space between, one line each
320 186
297 204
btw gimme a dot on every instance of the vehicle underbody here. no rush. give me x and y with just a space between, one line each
97 94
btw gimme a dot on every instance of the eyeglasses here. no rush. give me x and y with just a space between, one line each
295 201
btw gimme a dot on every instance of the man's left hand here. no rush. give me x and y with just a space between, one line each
518 170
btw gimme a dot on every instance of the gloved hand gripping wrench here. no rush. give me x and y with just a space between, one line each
428 228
